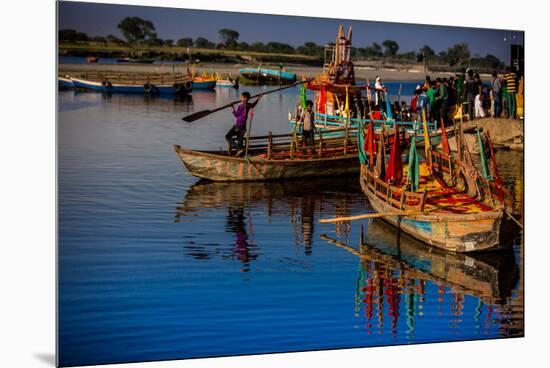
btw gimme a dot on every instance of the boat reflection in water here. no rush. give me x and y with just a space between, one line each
394 265
299 200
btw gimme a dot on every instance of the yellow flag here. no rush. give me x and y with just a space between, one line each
346 109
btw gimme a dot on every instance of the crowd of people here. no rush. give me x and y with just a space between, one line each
465 93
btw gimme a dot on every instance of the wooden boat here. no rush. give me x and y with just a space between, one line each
275 157
174 84
226 82
491 277
262 75
445 214
204 82
135 60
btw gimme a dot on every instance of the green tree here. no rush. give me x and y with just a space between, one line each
427 51
185 42
70 35
391 48
459 54
229 37
257 46
136 30
203 43
168 42
98 39
375 50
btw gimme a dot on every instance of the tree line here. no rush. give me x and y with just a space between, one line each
140 32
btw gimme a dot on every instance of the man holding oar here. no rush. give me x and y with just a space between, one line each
236 134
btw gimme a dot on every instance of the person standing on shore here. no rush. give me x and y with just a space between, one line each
442 100
434 112
471 89
496 89
236 134
510 78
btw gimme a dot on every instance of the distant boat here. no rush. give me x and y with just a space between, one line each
65 83
135 60
261 75
92 59
227 82
204 82
153 84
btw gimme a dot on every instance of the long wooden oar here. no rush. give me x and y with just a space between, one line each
201 114
370 215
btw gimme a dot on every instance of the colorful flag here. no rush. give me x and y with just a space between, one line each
394 171
361 144
346 108
303 96
444 140
380 169
483 159
413 174
370 145
388 107
322 100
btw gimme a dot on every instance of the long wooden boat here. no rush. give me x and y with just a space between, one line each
262 75
275 157
177 84
491 277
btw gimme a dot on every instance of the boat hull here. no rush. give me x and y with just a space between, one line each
163 89
220 167
65 83
204 84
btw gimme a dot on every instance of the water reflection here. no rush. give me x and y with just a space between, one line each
298 200
395 271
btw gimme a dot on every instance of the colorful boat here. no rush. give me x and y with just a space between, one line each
204 81
169 84
455 209
275 157
262 75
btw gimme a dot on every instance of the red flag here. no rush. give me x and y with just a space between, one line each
394 170
322 100
370 145
444 140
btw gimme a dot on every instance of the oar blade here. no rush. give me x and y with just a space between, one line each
196 116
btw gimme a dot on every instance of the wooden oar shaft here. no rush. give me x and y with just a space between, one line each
368 215
514 219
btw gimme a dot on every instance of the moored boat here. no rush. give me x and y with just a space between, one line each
226 82
262 75
443 202
65 82
275 157
135 60
128 83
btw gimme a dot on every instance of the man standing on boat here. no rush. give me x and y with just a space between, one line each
236 134
307 119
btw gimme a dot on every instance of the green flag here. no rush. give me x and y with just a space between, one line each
413 175
303 96
361 143
484 168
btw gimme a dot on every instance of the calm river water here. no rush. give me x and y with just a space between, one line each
155 264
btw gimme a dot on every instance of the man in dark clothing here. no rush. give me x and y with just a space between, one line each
442 100
307 119
471 89
236 134
496 86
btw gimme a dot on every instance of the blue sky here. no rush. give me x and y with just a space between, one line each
102 19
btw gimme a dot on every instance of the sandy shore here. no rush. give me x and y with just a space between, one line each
361 72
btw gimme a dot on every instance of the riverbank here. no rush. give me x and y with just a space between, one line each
361 72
